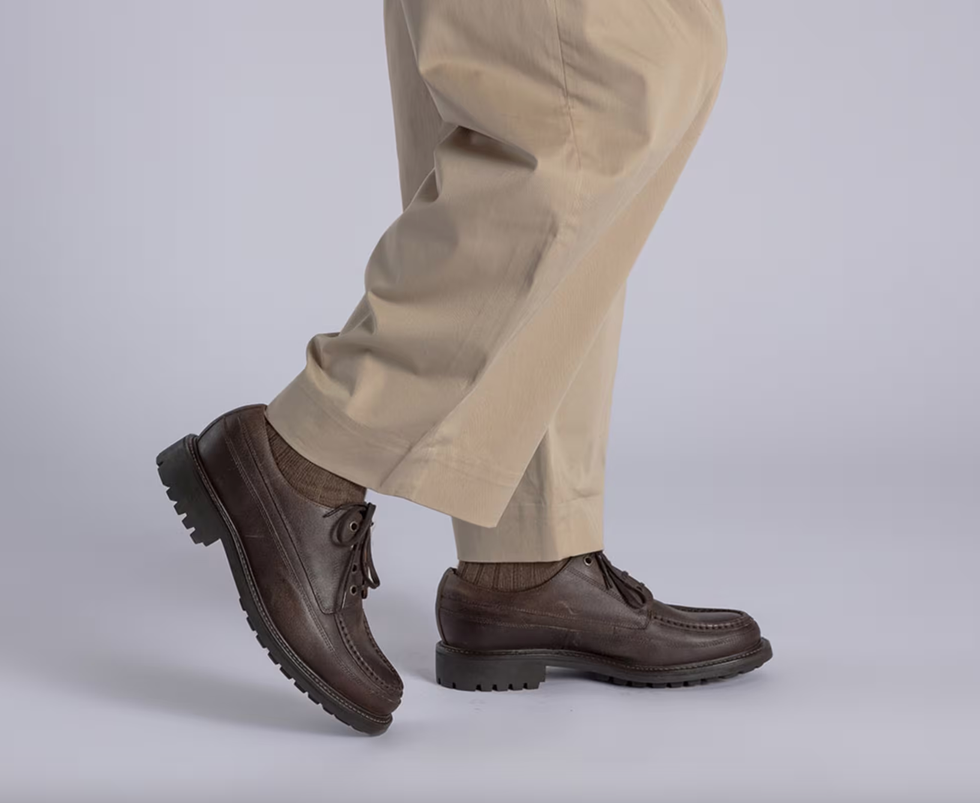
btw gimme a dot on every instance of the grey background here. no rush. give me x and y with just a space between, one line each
189 190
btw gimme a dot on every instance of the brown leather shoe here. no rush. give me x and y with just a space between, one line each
590 616
302 570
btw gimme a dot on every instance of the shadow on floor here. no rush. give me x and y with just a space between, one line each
405 629
121 641
139 680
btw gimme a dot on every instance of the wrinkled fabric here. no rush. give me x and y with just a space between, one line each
538 143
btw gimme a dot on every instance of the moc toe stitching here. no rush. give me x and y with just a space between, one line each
735 624
362 662
399 686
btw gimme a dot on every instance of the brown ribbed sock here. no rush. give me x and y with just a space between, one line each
509 576
315 483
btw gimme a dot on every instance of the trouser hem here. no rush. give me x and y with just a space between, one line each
453 484
532 533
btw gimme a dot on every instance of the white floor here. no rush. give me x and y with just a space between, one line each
129 674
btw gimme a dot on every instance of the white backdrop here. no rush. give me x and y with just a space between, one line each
189 191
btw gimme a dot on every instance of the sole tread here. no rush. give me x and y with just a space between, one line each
615 681
526 669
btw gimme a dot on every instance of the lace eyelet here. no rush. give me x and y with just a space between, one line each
353 569
587 560
353 589
353 526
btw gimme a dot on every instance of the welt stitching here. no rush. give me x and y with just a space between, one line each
611 662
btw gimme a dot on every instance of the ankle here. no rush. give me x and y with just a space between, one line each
509 576
310 480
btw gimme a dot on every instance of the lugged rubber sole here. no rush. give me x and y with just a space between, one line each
205 517
514 670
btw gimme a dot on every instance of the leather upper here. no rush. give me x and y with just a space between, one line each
307 561
578 610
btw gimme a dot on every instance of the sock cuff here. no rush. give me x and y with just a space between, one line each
509 576
315 483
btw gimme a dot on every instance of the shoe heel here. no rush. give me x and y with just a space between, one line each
487 671
186 487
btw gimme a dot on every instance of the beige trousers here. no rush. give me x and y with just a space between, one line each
538 141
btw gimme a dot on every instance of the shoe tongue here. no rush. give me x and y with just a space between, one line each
633 592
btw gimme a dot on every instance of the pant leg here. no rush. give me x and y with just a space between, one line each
557 509
485 298
418 124
558 503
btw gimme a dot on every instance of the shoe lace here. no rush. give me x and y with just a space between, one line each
353 529
630 589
